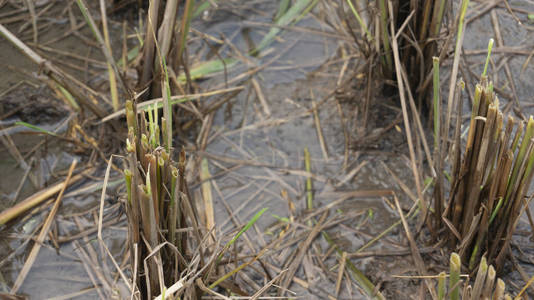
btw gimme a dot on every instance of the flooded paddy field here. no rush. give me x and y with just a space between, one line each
303 128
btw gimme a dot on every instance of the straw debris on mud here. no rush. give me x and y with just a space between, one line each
265 149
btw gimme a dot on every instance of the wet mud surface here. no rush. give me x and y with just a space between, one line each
255 153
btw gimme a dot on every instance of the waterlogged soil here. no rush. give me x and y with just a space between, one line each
255 151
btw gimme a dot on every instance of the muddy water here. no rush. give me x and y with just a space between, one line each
274 135
257 143
57 271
